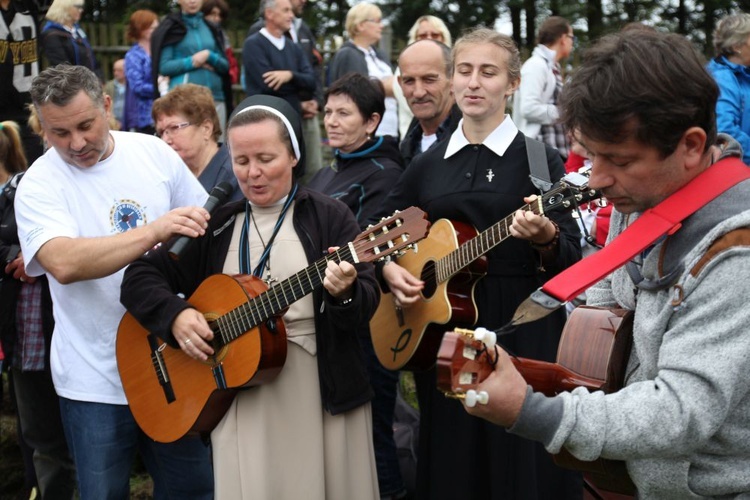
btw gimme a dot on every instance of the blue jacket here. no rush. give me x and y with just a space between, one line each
733 106
140 94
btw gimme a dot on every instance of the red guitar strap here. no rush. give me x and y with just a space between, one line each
664 218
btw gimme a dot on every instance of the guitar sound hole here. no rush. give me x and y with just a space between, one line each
430 280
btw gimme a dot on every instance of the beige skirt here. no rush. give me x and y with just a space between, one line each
276 442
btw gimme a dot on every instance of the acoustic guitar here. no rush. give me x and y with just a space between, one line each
171 394
450 261
593 353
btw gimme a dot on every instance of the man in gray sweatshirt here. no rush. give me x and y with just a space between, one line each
643 106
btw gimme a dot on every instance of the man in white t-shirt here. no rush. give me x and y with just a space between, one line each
93 203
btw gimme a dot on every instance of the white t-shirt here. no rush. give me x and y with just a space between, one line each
427 141
141 180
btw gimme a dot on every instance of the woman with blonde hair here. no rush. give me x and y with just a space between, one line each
12 157
477 176
730 70
364 24
63 40
430 27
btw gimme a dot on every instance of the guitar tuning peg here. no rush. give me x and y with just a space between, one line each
485 336
473 397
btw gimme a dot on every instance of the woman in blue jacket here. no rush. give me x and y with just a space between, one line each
730 70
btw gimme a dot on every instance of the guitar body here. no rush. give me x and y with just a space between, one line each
409 339
593 353
596 344
450 261
171 394
195 398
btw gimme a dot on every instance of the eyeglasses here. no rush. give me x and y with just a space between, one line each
430 35
376 21
572 37
79 6
171 129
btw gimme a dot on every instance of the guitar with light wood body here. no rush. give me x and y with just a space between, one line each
450 261
171 394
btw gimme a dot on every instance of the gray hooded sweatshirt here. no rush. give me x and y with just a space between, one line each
682 421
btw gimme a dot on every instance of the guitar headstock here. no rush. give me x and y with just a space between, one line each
465 359
392 234
570 191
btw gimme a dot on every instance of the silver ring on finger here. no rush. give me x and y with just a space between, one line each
187 341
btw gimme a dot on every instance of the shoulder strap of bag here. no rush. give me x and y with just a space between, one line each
538 166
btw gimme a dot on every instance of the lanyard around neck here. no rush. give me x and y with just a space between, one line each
244 253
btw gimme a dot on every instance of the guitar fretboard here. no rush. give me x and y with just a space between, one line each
479 245
252 313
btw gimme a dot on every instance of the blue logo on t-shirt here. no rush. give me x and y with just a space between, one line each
127 214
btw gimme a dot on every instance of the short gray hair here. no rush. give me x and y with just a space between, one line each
731 31
445 49
264 5
59 84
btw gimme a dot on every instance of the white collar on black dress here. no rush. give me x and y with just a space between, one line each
498 141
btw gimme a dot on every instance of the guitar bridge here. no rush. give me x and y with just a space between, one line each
157 360
218 373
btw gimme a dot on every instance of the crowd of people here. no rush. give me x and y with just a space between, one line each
99 179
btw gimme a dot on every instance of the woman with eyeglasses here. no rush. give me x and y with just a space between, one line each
63 40
186 119
364 24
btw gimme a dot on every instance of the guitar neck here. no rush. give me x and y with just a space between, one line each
252 313
553 378
479 245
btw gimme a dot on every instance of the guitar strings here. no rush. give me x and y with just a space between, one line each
254 312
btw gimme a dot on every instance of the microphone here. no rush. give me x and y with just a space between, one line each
218 195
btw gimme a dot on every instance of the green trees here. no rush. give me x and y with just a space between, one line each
591 18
